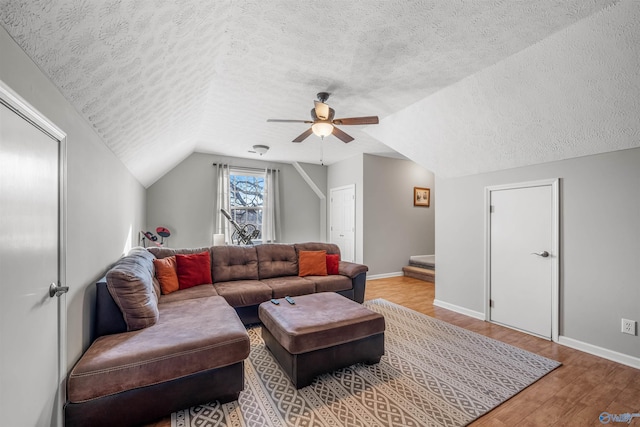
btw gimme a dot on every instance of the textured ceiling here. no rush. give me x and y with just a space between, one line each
575 93
159 80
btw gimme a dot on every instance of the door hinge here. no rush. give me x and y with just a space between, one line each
491 303
492 209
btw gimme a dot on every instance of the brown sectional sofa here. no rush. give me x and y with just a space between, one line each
154 354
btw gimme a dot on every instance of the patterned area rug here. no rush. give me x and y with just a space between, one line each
432 374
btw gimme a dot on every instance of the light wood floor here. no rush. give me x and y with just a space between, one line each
573 395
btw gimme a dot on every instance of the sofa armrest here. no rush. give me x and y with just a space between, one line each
351 269
358 275
109 319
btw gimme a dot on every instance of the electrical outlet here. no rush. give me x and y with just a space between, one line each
628 326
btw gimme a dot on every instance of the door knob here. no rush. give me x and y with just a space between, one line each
56 290
542 254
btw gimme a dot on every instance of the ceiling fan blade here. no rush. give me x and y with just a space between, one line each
341 135
288 121
322 110
303 135
369 120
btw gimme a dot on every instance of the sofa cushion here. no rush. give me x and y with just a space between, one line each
193 269
330 248
240 293
200 291
331 283
166 274
290 285
276 260
234 263
130 283
191 336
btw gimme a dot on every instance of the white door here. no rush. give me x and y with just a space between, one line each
523 257
31 327
343 220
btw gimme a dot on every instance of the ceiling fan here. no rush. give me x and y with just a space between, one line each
323 122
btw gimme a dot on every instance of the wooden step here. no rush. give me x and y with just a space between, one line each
425 274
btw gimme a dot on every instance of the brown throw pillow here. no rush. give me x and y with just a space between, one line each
312 263
166 274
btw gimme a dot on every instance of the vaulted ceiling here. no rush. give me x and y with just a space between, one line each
158 80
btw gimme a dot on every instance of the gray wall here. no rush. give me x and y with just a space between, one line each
184 200
394 229
105 204
600 243
300 208
389 228
318 176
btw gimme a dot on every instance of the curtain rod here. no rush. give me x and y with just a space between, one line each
248 169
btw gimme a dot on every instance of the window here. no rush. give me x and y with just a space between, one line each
246 197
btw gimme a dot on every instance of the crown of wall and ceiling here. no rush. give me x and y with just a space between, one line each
161 80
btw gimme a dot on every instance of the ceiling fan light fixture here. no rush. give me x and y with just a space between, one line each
322 129
261 149
322 110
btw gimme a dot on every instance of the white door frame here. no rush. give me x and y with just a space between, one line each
555 247
331 191
16 103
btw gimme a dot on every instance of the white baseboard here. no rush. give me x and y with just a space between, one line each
624 359
458 309
385 275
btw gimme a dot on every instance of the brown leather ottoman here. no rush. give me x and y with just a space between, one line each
320 333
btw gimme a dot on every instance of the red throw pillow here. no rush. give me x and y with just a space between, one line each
166 274
193 269
333 263
312 263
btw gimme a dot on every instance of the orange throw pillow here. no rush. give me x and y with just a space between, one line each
166 274
312 263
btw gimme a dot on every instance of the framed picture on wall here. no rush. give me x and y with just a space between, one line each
421 196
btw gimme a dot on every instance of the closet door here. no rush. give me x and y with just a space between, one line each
343 220
523 258
32 321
